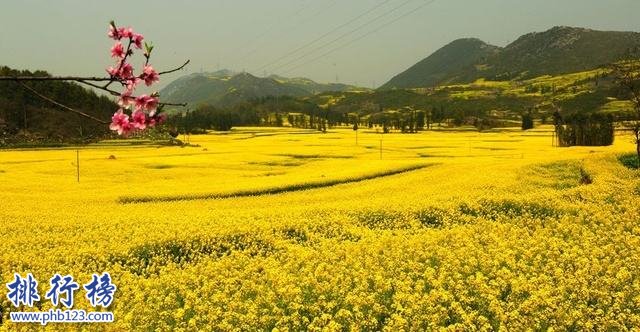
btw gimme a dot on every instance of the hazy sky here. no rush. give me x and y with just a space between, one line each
277 36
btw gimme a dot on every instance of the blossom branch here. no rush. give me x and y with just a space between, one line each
116 93
135 112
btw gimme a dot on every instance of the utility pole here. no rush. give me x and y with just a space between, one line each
78 164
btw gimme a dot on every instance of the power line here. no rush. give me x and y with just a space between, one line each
305 20
362 36
324 35
344 35
270 27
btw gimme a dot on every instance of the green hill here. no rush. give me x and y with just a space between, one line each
560 50
582 92
452 63
226 88
315 87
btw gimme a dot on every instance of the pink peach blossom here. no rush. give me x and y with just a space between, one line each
137 40
126 99
135 113
149 75
112 71
146 103
139 120
125 32
131 83
126 71
117 51
120 122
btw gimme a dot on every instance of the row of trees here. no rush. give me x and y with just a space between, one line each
584 129
286 111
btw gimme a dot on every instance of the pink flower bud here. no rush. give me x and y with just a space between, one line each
113 33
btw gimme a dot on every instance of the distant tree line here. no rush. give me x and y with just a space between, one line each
300 113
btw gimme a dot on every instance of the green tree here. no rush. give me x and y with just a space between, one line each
627 75
527 121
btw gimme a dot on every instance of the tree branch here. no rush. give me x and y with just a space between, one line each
54 78
173 104
122 62
83 80
112 92
61 105
172 70
76 78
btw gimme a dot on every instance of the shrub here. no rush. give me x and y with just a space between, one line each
629 160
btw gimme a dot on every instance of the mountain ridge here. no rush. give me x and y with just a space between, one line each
228 88
559 50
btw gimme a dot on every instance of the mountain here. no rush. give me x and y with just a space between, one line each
227 88
557 51
315 87
451 63
560 50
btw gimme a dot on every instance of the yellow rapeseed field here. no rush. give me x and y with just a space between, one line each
284 229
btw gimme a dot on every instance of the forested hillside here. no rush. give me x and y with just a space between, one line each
25 117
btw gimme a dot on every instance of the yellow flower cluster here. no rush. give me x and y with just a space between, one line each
286 230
